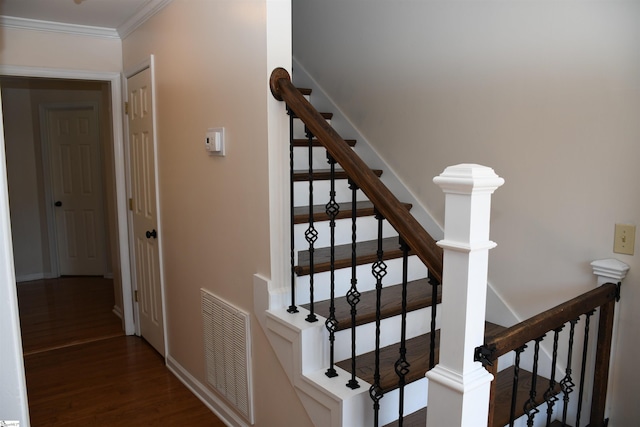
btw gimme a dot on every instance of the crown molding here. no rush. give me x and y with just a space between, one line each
57 27
150 9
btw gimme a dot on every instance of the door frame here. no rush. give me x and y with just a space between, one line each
48 182
141 66
117 119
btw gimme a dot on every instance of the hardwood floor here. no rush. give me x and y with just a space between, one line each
81 373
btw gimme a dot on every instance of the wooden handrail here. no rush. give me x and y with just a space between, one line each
411 231
516 336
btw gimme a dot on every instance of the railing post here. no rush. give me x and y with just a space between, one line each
607 271
459 387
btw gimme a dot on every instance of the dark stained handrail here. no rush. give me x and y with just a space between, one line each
516 336
396 213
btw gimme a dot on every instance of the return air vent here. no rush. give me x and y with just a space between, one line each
228 352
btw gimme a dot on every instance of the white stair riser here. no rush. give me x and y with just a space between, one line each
366 229
418 323
415 398
366 281
321 191
298 129
319 158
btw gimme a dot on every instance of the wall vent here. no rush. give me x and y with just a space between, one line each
227 345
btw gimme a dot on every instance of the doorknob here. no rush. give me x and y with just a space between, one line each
153 233
58 203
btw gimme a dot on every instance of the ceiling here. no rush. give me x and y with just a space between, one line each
107 14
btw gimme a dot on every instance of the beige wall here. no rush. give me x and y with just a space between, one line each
28 48
546 93
211 71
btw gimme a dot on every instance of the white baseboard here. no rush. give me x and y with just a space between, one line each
213 402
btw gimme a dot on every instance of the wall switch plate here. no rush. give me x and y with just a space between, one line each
624 239
214 141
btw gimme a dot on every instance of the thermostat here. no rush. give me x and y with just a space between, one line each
214 141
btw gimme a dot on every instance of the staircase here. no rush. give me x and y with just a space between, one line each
343 385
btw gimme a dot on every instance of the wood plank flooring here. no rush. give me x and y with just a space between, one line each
81 369
55 313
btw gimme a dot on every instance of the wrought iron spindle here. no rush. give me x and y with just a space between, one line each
550 394
514 389
567 383
379 270
530 407
332 209
292 308
434 304
353 296
583 367
402 365
311 235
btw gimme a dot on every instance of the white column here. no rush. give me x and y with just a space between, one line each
458 386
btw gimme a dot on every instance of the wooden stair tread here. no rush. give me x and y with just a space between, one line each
504 385
325 174
326 116
417 357
502 409
303 142
417 419
365 208
366 252
418 296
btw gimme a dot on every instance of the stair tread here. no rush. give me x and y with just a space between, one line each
502 409
326 116
416 350
366 252
364 208
325 174
504 385
303 142
418 296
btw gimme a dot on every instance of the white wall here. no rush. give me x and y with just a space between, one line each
211 70
546 93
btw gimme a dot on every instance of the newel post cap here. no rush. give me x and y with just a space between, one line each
610 268
467 178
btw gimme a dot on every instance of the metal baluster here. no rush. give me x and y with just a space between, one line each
550 395
353 296
292 308
585 348
514 389
311 235
530 407
332 210
434 304
402 365
379 270
567 383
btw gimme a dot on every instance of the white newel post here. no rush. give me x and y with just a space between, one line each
458 386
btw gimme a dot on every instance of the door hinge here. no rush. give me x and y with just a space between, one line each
135 295
126 108
130 204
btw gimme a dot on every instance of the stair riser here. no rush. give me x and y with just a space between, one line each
321 191
298 129
301 158
416 270
415 398
367 229
418 323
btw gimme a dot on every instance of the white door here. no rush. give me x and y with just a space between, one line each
144 223
77 191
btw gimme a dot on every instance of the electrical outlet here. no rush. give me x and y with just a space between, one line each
624 239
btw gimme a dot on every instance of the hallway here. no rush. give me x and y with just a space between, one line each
83 371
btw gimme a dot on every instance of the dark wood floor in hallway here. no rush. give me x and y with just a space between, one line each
100 379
